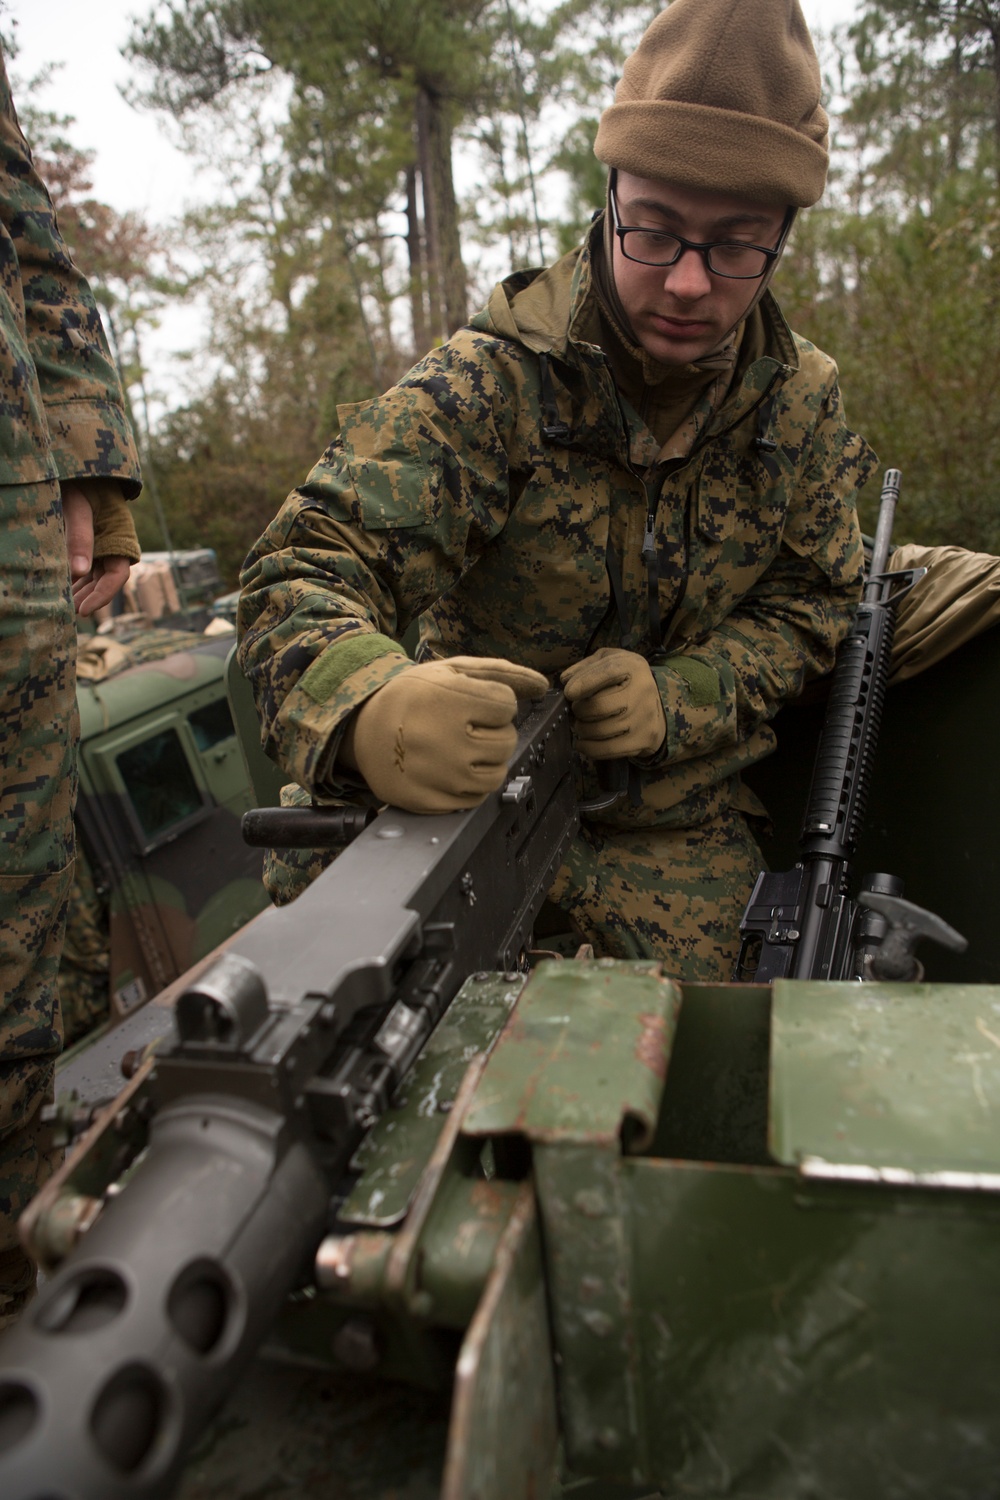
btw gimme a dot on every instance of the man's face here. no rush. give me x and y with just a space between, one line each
682 312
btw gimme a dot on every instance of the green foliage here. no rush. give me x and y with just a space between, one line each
289 342
552 70
899 277
302 271
588 182
926 102
222 472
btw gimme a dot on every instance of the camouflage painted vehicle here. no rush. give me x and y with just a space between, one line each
163 875
613 1236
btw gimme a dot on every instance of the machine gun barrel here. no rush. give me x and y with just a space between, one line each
287 1049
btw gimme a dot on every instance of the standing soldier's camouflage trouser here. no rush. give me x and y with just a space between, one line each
39 725
675 894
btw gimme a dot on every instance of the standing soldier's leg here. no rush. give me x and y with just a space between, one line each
675 894
39 726
84 984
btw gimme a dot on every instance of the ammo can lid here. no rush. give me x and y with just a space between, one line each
890 1083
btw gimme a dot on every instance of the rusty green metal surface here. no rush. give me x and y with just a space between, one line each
887 1078
728 1329
584 1056
459 1246
579 1073
504 1434
393 1155
596 1315
106 1153
716 1324
837 1344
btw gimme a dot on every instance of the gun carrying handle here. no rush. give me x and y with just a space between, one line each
619 777
896 585
613 776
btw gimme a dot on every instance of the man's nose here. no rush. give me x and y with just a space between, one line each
689 276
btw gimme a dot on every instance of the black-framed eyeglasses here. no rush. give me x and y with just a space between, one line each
655 247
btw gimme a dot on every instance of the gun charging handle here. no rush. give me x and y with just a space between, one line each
894 959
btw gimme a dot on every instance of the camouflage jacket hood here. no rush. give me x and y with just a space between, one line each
553 312
486 492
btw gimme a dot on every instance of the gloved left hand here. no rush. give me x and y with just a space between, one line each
616 704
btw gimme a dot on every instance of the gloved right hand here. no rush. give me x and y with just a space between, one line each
439 737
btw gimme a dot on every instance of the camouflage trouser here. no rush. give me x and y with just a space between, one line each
675 894
37 791
84 985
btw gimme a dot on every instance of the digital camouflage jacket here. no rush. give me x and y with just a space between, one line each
498 490
62 414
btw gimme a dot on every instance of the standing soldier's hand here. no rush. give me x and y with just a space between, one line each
95 581
440 736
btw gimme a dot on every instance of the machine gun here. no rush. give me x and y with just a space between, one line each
804 923
287 1049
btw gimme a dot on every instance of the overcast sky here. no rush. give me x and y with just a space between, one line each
138 164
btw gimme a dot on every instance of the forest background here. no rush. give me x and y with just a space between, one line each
387 160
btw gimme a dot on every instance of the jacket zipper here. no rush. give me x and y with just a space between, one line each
658 632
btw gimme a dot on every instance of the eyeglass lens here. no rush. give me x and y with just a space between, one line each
654 248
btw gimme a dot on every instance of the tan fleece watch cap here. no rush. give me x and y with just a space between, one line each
723 95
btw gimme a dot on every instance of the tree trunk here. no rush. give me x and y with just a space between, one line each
454 288
415 251
994 43
448 295
432 257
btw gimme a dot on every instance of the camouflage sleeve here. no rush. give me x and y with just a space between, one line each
84 407
114 528
357 553
787 627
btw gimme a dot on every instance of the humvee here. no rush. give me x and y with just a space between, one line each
163 875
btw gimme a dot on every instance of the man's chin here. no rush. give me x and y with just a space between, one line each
673 351
672 344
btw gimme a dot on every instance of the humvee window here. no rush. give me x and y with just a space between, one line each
211 724
159 782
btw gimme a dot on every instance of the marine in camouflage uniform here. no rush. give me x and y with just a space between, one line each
540 489
61 419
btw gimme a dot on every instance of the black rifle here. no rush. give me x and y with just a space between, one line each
804 923
288 1048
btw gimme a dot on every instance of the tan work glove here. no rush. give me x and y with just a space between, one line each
440 736
616 705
